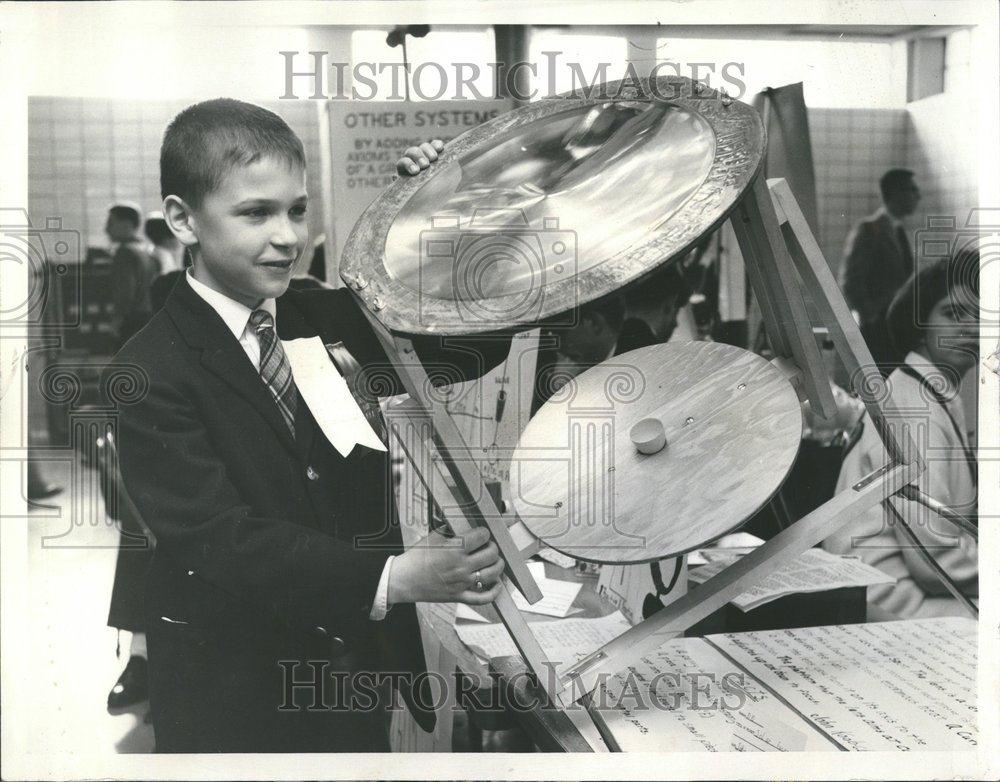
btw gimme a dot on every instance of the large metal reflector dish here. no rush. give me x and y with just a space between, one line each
552 205
733 427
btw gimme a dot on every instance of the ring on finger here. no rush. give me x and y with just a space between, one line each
479 581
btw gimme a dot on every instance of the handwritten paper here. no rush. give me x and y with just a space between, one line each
687 697
908 685
564 642
814 571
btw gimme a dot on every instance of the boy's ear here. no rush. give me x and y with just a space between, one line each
180 218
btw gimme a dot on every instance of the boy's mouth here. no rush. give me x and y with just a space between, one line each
281 265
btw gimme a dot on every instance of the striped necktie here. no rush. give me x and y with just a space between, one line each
275 370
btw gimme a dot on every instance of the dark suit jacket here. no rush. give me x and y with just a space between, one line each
874 268
269 549
134 272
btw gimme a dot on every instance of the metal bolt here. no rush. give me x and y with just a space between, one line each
377 304
741 386
688 421
727 101
359 283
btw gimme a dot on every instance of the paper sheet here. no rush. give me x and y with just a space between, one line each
814 571
564 642
687 697
908 685
329 399
557 596
469 614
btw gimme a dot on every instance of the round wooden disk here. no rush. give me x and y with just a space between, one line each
733 424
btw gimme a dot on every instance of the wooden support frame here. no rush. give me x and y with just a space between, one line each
781 254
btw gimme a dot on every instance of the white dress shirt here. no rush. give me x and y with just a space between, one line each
236 316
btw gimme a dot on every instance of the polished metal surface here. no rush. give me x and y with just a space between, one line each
552 205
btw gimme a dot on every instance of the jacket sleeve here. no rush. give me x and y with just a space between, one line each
855 273
298 576
446 359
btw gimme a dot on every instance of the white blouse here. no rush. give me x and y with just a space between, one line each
948 478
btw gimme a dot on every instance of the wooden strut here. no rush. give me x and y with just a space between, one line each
781 255
476 500
524 639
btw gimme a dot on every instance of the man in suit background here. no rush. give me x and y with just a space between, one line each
878 260
134 270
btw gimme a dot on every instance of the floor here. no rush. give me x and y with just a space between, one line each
71 562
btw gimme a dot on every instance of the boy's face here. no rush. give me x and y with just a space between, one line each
251 230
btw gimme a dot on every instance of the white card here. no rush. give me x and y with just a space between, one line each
329 399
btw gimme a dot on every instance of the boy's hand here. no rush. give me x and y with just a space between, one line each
416 159
445 570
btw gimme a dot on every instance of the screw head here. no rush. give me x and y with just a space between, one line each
377 304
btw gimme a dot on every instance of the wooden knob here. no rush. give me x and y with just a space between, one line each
648 436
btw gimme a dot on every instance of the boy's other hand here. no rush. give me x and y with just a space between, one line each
445 570
416 159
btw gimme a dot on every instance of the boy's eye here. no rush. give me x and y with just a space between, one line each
298 211
258 213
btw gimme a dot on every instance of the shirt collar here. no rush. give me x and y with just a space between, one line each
234 314
932 374
896 222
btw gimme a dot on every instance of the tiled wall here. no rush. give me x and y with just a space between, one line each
934 137
86 153
852 148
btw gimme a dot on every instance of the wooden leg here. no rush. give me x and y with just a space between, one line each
477 502
674 619
867 380
430 472
764 249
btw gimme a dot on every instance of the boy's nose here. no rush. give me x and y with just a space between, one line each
285 234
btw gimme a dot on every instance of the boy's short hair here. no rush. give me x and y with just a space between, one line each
912 304
894 180
207 140
130 213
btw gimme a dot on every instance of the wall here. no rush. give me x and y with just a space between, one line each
86 153
852 148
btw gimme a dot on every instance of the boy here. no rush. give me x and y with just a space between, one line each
265 574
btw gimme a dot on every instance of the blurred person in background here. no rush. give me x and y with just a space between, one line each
133 270
877 262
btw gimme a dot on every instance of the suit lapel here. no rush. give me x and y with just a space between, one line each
223 356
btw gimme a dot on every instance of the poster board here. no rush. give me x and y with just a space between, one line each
368 137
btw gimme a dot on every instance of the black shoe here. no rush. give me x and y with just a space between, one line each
131 687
